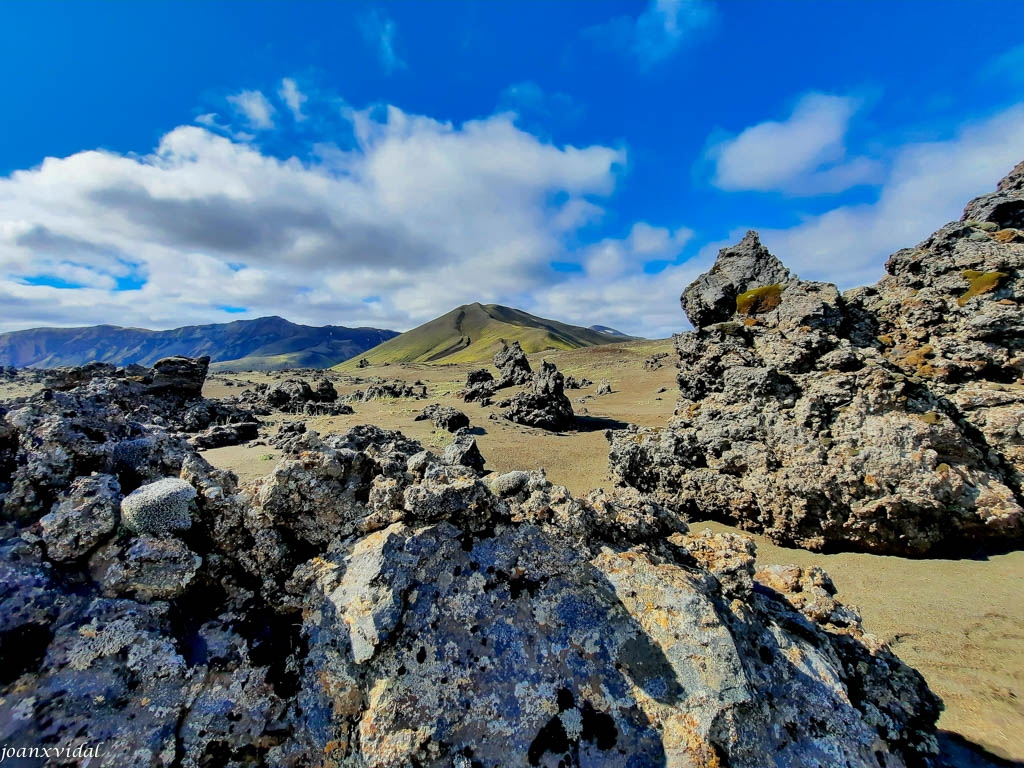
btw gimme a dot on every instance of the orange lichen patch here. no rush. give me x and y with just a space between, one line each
931 417
918 359
886 339
748 321
1008 235
980 283
1007 302
758 300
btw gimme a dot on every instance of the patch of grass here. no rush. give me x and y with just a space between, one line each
759 300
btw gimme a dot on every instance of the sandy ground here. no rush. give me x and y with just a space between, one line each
959 622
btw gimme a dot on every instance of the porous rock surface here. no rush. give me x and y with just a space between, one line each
885 419
294 396
444 417
513 367
367 605
545 404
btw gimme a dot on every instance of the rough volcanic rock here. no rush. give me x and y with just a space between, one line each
85 516
147 568
480 386
545 404
571 382
885 419
654 362
513 367
294 395
604 387
463 451
221 435
393 389
369 605
444 417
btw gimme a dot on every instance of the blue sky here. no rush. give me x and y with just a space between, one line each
378 164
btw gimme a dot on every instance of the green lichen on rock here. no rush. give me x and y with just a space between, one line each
759 300
980 282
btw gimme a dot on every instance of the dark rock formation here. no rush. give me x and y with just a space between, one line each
393 389
295 396
885 419
571 382
368 605
654 362
444 417
480 386
545 404
463 452
221 435
513 367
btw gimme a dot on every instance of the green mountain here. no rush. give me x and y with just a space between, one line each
267 343
472 333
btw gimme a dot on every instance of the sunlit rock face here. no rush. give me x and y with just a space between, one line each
884 419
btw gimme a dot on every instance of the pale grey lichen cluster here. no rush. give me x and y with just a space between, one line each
159 507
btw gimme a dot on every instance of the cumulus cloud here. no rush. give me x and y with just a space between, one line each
379 32
293 97
657 33
614 287
804 154
255 107
423 214
927 186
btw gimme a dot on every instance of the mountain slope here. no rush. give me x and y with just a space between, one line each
474 332
265 343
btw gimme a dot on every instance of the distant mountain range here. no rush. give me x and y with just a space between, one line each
267 343
472 333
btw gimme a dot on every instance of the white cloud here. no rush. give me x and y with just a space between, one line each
655 35
293 97
928 186
253 105
805 154
614 290
423 214
379 31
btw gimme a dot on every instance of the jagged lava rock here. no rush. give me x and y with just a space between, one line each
444 417
885 419
545 405
512 365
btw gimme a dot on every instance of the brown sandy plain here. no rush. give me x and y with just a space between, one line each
959 622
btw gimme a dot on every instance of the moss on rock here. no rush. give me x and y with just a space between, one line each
980 283
759 300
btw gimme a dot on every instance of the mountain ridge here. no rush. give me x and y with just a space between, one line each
264 343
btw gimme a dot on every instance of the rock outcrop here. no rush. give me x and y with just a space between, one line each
885 419
295 396
513 367
369 605
480 387
545 404
444 417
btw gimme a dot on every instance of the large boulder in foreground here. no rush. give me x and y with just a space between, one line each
368 605
886 419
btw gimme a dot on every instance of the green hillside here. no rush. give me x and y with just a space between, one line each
473 333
